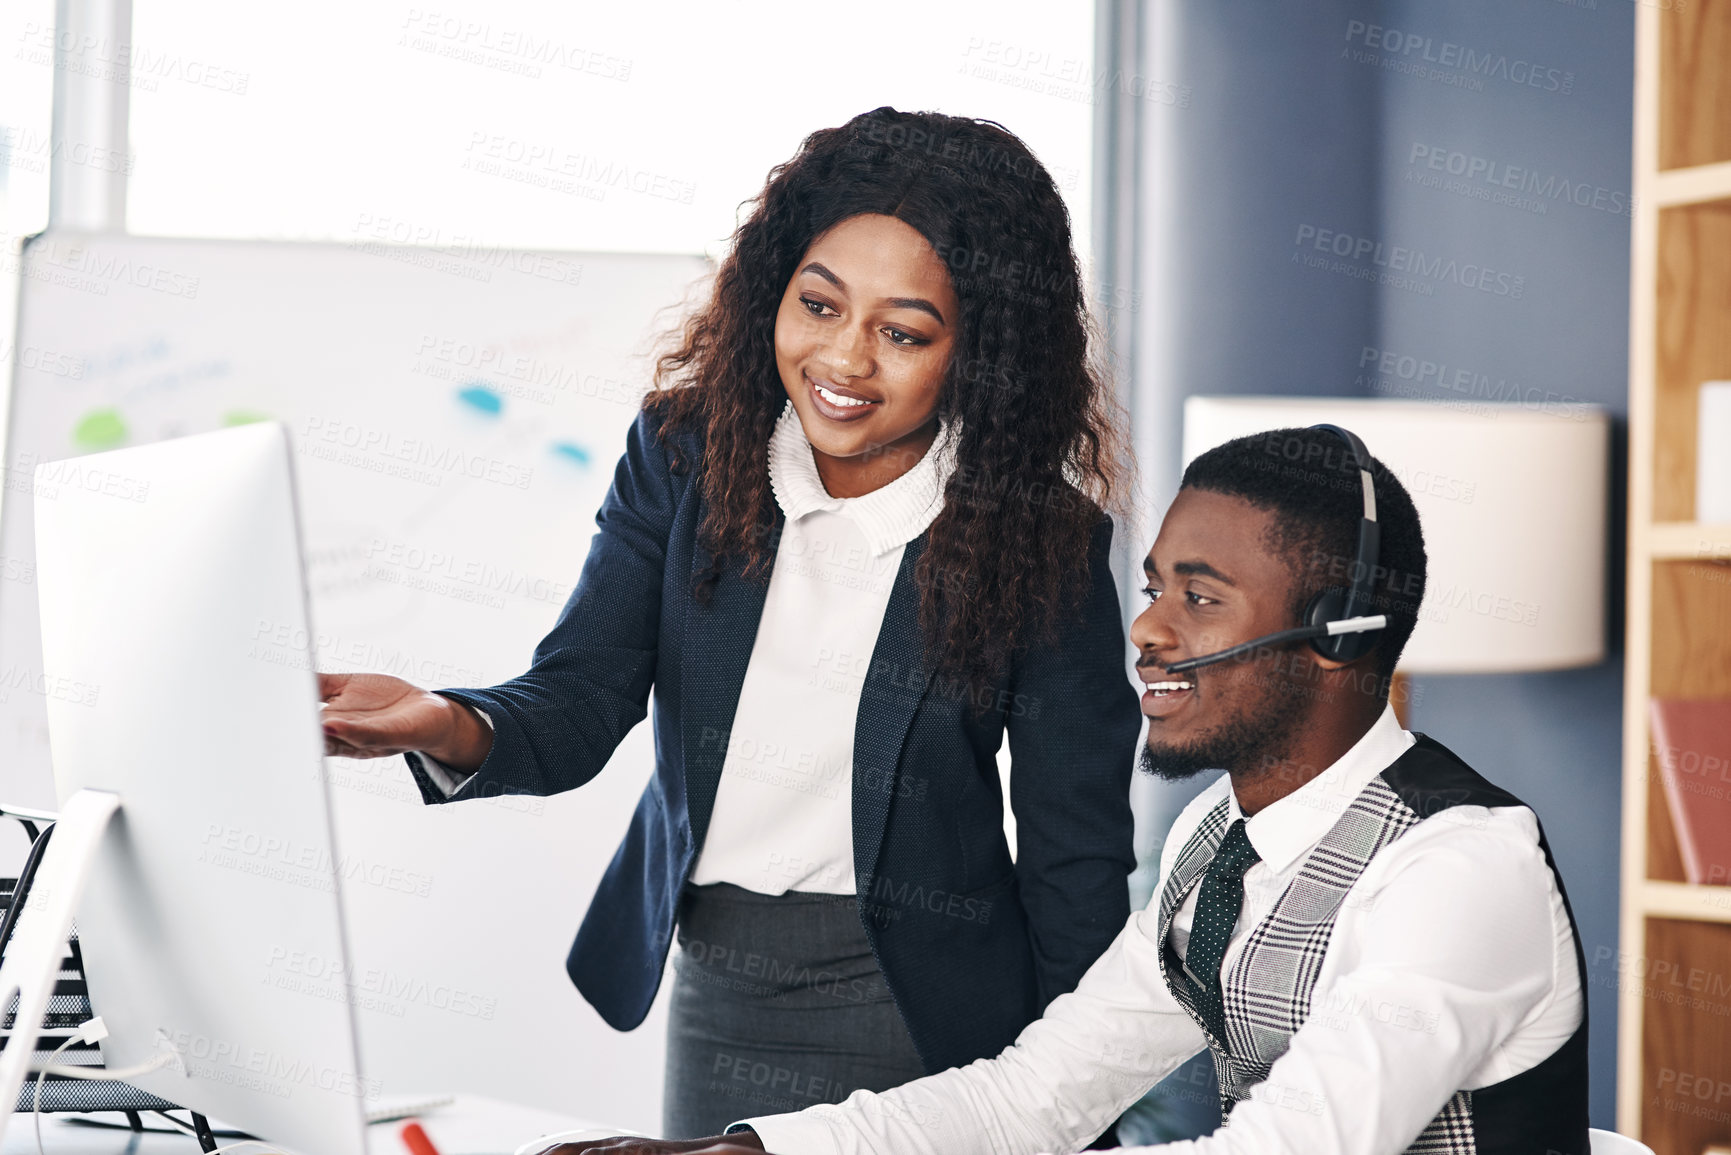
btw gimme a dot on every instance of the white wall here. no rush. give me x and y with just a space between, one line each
373 111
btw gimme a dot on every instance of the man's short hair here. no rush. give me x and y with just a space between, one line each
1306 478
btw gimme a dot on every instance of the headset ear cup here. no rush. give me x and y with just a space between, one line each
1329 606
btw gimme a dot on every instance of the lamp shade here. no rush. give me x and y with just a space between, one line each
1512 500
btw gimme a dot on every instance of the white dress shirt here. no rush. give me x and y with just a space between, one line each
1451 966
449 781
783 817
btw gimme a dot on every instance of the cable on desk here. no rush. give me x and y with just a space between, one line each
36 1100
90 1031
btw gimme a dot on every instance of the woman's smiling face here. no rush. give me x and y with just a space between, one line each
862 342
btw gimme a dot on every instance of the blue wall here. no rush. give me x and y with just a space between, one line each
1553 739
1328 115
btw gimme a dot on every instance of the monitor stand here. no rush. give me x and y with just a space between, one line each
38 944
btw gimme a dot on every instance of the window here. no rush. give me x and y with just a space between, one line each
537 124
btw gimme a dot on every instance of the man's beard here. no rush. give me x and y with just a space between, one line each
1243 743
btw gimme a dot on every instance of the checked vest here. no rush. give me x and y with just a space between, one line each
1267 989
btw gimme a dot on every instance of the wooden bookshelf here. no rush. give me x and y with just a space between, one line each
1673 970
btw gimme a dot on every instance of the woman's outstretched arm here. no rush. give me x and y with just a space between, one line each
554 726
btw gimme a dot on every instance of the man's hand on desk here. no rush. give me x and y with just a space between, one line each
739 1143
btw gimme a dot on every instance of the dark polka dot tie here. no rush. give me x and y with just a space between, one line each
1217 907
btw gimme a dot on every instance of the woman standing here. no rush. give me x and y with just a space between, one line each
856 539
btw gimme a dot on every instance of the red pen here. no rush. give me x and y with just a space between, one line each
415 1139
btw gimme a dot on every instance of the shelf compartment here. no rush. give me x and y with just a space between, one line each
1692 342
1684 982
1694 84
1691 620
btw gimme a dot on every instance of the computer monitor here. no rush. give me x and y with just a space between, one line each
174 617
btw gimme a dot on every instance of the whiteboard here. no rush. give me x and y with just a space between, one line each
456 414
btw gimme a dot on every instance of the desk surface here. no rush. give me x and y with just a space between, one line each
472 1125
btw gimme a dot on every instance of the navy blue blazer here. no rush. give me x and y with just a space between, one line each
972 944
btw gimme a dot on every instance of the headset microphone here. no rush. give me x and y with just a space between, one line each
1301 634
1335 623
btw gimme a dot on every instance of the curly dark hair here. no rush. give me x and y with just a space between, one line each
1039 457
1306 478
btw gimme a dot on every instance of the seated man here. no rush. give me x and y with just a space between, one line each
1370 939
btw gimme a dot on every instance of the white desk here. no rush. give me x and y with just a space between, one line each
473 1125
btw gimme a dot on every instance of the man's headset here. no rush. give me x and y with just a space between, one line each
1333 624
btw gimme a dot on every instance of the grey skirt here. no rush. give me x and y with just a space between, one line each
777 1005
